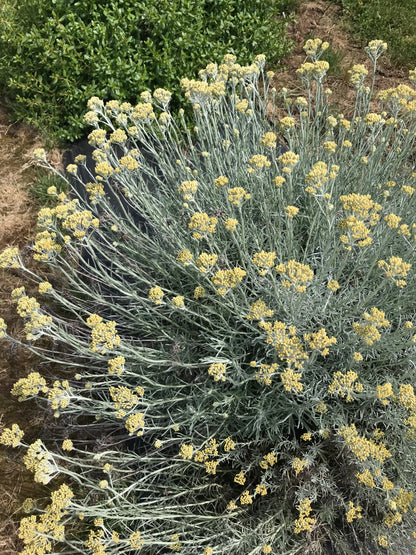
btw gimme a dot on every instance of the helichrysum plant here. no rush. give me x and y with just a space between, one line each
233 311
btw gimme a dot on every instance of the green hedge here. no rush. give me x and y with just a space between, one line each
56 55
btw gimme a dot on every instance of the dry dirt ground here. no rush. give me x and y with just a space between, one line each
314 19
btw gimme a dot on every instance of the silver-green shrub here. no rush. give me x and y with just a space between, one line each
237 320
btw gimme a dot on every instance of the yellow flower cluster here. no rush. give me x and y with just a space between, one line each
240 478
295 275
178 302
67 445
353 512
217 371
392 518
187 189
116 365
97 137
366 478
118 136
382 541
304 522
265 261
211 450
407 397
156 294
124 399
364 211
362 206
330 146
286 343
44 287
202 224
229 444
225 280
313 70
259 311
59 394
291 211
9 258
369 331
186 451
28 307
315 47
39 461
237 195
163 96
387 485
206 261
404 500
3 328
345 385
384 392
199 292
320 341
32 385
104 335
279 180
372 119
407 189
11 436
333 285
144 112
265 372
298 465
201 92
136 541
185 257
261 489
242 106
45 247
287 123
230 224
291 380
80 222
176 545
288 161
221 181
395 269
38 531
258 161
361 447
134 422
321 408
128 163
358 74
96 543
376 48
39 154
399 99
269 140
268 460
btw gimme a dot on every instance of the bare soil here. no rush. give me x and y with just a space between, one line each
314 19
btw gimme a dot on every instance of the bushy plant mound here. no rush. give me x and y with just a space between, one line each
56 55
234 315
